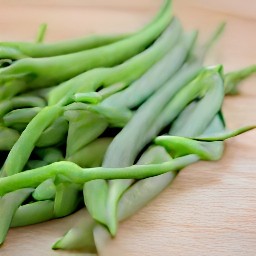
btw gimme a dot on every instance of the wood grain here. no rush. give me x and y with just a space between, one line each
210 208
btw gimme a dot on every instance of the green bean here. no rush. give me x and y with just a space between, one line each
80 237
33 213
97 97
37 50
20 102
233 79
115 116
66 199
7 52
40 34
139 194
179 146
50 155
19 118
84 127
54 134
22 149
32 164
93 194
9 203
8 138
45 191
43 72
74 174
92 154
124 73
223 135
89 97
204 50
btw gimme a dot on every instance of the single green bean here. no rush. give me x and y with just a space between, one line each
80 237
32 164
232 79
50 155
22 149
45 191
39 50
77 175
20 117
66 199
84 127
143 191
8 138
92 154
179 146
55 134
41 33
20 102
33 213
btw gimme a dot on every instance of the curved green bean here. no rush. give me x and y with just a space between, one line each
73 173
22 149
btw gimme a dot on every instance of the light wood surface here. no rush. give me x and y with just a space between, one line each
210 207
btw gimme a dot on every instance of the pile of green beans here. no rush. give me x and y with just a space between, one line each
105 122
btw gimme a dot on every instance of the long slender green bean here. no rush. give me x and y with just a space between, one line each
22 149
233 79
77 175
38 50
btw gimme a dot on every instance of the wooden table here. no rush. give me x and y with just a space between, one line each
210 208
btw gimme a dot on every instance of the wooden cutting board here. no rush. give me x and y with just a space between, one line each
210 207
